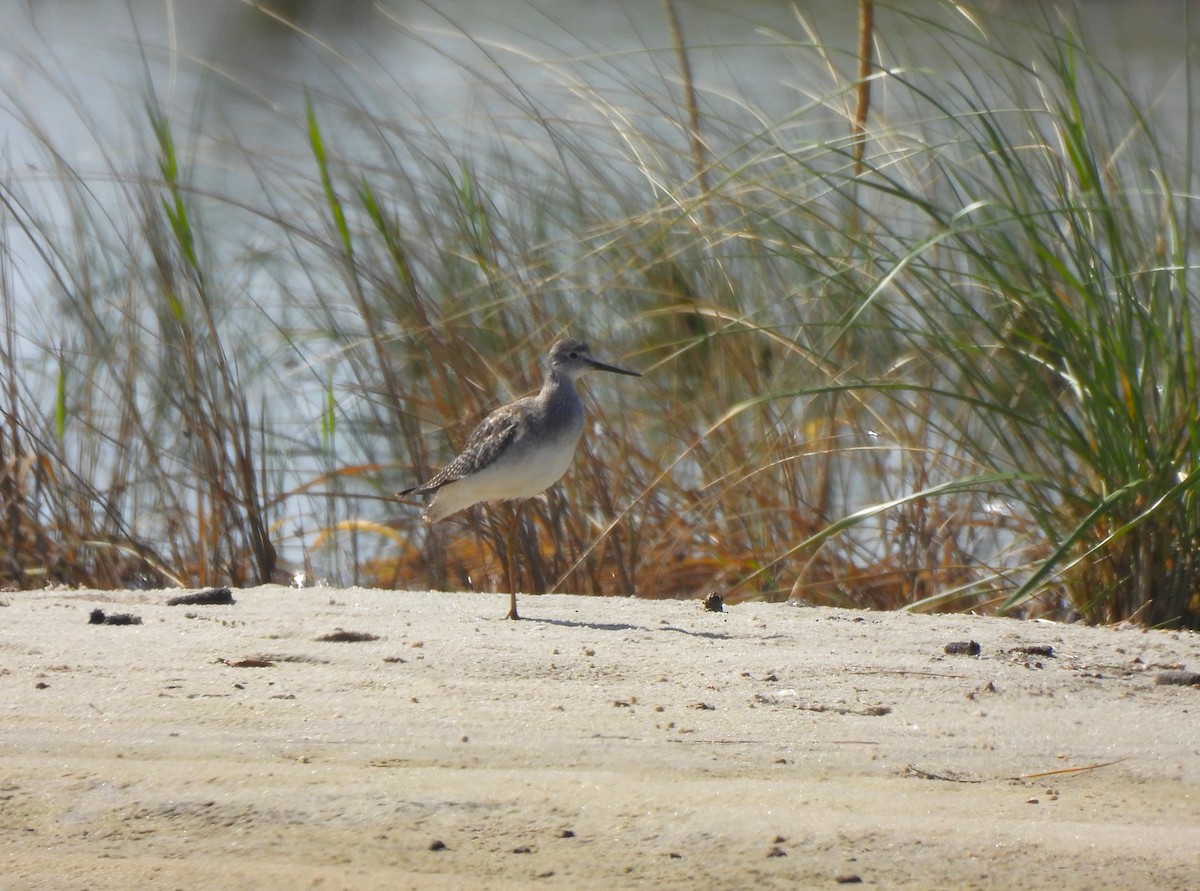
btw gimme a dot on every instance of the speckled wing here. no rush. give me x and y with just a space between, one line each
486 443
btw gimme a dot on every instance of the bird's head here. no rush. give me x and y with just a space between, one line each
574 359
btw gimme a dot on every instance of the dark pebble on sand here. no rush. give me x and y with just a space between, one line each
341 636
1036 650
207 597
963 648
1179 678
98 617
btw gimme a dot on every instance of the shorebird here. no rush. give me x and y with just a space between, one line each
520 449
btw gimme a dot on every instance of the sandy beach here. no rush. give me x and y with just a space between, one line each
362 739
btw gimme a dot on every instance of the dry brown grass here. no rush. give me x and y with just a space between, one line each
878 372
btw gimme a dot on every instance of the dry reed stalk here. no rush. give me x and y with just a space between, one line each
699 149
866 61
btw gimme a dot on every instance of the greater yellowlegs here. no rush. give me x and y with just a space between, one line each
520 449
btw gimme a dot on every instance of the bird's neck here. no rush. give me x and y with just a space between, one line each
557 385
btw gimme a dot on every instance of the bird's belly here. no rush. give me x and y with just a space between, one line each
526 473
526 469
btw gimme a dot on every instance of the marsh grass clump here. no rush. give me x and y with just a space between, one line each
1057 304
926 342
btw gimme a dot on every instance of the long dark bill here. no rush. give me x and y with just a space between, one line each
600 366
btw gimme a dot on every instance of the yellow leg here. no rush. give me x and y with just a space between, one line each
514 528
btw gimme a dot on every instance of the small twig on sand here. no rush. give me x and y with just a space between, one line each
927 775
1051 773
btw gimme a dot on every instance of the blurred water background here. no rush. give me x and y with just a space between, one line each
431 84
